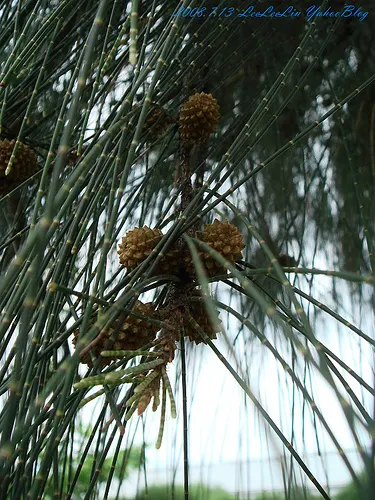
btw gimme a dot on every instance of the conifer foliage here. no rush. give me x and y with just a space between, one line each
183 183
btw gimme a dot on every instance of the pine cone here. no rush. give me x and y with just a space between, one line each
157 122
199 117
287 260
133 334
223 237
23 167
7 186
137 245
170 263
196 310
137 332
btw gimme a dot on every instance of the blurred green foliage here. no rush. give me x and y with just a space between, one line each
201 492
295 494
196 492
127 461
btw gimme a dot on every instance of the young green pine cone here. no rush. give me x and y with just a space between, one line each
137 245
23 167
223 237
199 117
133 334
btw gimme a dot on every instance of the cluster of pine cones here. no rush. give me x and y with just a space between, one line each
135 332
223 237
191 313
24 165
198 119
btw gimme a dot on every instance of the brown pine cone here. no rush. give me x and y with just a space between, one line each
286 260
138 244
196 310
133 334
223 237
199 117
23 167
157 122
